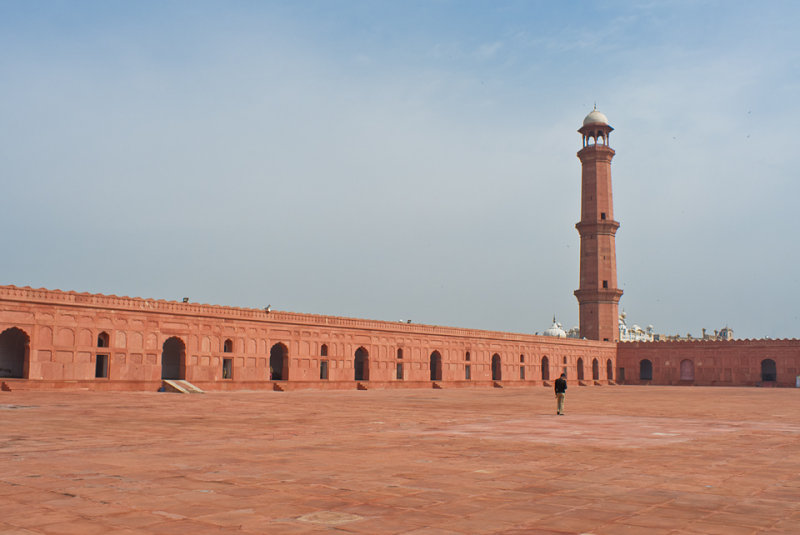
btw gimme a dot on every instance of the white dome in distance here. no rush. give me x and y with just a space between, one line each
555 330
595 117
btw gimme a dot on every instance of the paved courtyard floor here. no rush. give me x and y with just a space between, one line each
624 459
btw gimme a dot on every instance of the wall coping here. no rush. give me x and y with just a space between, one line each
736 342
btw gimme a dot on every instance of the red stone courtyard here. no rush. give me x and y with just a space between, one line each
626 459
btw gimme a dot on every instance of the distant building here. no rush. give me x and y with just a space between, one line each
724 334
634 333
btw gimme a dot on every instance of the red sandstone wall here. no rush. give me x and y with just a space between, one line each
64 326
734 363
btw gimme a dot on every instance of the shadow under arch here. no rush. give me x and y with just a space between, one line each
279 362
645 370
14 353
497 368
436 366
173 359
361 365
769 371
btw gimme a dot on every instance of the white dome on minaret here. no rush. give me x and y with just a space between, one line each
595 117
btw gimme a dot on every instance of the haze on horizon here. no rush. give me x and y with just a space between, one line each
410 160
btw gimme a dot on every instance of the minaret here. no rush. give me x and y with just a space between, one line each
598 295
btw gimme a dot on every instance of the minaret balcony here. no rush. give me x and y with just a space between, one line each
598 295
606 227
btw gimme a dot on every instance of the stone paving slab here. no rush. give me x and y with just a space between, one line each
623 460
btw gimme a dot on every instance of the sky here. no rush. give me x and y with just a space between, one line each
404 160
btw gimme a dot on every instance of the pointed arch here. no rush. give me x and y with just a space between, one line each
687 370
580 369
645 370
173 359
14 353
497 368
279 362
545 368
103 339
595 370
361 364
769 371
436 366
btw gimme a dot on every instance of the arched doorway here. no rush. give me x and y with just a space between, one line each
545 369
497 369
436 366
687 370
173 359
610 370
769 372
279 362
595 370
580 369
361 365
645 370
14 350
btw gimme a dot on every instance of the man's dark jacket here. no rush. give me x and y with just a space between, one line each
561 386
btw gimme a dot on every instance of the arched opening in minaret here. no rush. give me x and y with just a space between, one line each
279 362
580 369
173 359
361 365
609 370
645 370
595 370
687 370
436 366
102 339
497 371
545 369
14 352
769 372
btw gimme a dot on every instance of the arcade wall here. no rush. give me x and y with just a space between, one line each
55 339
724 363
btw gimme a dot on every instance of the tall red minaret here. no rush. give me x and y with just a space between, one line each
598 295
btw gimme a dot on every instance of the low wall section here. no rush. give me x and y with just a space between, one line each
50 338
731 363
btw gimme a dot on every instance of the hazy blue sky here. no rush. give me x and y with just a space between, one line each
404 160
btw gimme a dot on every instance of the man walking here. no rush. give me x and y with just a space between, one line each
561 393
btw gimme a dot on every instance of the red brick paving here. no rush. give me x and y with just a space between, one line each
624 460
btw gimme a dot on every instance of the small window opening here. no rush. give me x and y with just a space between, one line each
605 339
323 370
605 284
323 351
227 368
565 361
602 215
522 358
399 353
467 359
101 366
227 346
522 372
467 372
399 371
102 339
